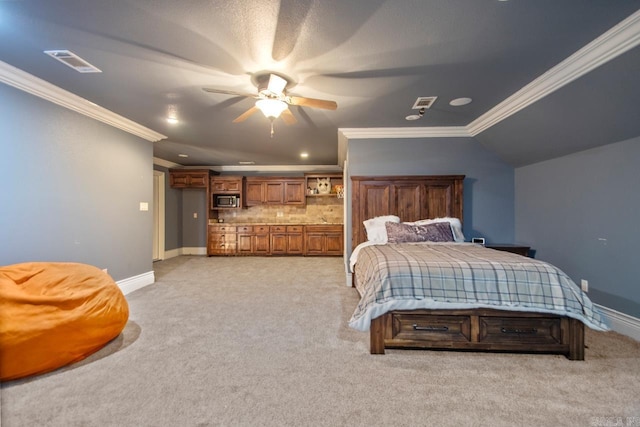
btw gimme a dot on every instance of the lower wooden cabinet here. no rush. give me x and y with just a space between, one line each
312 240
323 240
287 239
253 240
222 240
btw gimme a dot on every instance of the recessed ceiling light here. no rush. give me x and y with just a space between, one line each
172 120
183 155
416 116
304 155
458 102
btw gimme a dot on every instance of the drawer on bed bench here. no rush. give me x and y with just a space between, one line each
431 327
542 330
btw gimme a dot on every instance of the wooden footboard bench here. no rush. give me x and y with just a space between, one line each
478 330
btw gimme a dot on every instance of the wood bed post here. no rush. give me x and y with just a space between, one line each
576 340
377 335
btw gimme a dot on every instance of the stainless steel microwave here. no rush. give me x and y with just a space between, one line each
226 201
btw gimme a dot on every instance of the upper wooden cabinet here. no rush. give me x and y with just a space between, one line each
294 192
227 184
274 191
189 178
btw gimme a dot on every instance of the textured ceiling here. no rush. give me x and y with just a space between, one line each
373 57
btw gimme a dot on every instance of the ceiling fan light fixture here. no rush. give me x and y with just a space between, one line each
271 108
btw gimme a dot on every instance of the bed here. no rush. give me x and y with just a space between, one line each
448 294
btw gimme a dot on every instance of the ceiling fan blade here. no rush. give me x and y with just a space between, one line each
311 102
228 92
276 84
244 116
288 117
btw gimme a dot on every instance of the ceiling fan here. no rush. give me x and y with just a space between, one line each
273 101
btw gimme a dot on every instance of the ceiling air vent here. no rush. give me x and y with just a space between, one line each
424 102
72 60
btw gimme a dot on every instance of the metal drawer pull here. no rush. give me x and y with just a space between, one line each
430 328
526 331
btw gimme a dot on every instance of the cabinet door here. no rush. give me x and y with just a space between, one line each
178 180
294 193
315 243
254 193
334 244
198 180
244 244
260 244
295 243
273 192
279 244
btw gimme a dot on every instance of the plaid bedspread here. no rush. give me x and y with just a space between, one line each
409 276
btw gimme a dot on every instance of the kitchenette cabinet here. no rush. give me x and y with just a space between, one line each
189 178
324 240
285 239
222 240
274 191
253 240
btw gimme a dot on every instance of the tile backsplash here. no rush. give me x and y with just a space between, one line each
318 210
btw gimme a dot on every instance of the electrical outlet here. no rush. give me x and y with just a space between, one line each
195 214
584 284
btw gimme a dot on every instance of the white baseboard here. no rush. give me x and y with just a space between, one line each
136 282
194 251
621 323
185 251
172 253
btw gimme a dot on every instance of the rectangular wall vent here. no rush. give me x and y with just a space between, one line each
424 102
72 60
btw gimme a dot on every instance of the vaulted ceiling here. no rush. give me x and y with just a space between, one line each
535 94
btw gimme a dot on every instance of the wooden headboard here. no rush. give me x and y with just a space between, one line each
409 197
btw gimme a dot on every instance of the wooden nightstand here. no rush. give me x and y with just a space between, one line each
516 249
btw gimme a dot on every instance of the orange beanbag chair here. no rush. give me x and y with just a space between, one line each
54 314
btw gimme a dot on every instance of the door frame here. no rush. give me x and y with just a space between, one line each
158 215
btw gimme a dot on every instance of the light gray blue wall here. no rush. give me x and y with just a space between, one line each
71 187
580 212
194 230
488 186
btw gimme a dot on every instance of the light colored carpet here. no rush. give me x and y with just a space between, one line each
265 342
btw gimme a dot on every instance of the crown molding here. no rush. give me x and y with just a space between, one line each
26 82
413 132
618 40
165 163
277 168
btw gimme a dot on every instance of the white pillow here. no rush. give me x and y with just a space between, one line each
456 226
376 230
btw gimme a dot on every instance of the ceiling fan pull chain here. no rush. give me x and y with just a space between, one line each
272 132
